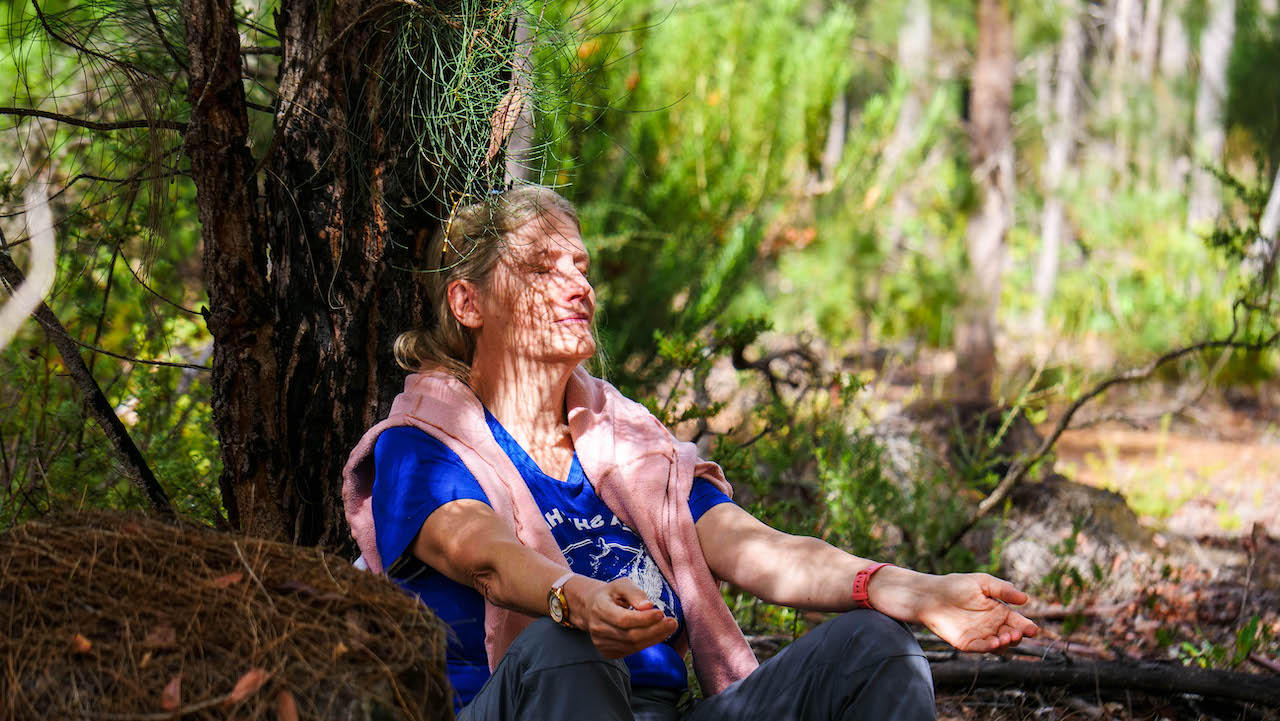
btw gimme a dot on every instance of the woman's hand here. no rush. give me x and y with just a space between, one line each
967 610
619 617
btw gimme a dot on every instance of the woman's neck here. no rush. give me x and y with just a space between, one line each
526 397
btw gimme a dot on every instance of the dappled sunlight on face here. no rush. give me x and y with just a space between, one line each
538 302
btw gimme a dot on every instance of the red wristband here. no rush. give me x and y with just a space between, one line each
860 582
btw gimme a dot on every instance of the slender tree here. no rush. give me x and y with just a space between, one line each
991 153
1060 142
1205 200
1175 49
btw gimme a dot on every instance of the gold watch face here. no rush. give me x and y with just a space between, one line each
556 607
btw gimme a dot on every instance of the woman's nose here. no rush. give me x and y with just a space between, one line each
577 285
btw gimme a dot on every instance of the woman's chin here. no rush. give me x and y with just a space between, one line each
571 353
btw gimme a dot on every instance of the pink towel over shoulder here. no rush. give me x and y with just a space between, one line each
642 472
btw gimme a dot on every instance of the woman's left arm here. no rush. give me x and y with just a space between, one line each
966 610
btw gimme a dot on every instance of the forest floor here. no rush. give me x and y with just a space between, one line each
1208 482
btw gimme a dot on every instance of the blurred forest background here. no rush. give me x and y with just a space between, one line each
957 284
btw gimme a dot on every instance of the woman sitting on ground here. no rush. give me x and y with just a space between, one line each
573 546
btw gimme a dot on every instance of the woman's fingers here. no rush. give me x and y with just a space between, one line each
615 642
1002 590
627 593
627 618
626 621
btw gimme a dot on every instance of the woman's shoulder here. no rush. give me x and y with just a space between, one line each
400 442
409 461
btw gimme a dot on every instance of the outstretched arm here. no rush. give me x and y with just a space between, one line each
466 541
967 610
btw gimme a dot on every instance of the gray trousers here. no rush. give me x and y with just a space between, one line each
859 666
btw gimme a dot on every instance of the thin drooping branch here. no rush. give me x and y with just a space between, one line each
69 42
140 361
155 23
94 125
95 400
1158 678
1018 470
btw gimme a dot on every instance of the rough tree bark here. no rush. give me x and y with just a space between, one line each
306 251
991 151
1205 201
1061 144
234 255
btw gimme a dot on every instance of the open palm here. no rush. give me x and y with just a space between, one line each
969 612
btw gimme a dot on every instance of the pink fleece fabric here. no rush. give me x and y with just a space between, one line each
642 472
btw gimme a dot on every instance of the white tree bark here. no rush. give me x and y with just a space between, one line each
915 38
1061 143
43 262
1210 132
833 149
1265 250
1175 50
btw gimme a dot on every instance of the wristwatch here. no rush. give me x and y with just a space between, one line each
557 605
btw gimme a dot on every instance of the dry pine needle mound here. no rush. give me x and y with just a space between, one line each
111 616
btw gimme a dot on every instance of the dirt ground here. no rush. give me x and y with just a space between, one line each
1207 479
1215 476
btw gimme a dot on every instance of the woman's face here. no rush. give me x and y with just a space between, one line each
538 302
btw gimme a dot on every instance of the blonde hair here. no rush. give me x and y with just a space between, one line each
468 248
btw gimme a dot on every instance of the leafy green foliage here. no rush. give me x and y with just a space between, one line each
679 181
1249 637
1253 104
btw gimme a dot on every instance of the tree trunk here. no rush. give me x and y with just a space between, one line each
1175 50
310 278
520 147
1061 147
914 41
1171 161
1149 44
235 265
1210 132
1264 252
991 150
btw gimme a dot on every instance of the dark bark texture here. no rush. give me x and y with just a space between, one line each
307 256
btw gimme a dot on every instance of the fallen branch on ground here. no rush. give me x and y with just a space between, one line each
1159 678
1055 613
1265 662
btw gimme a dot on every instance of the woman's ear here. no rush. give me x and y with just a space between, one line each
464 302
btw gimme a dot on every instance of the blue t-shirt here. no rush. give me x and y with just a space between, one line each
415 474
